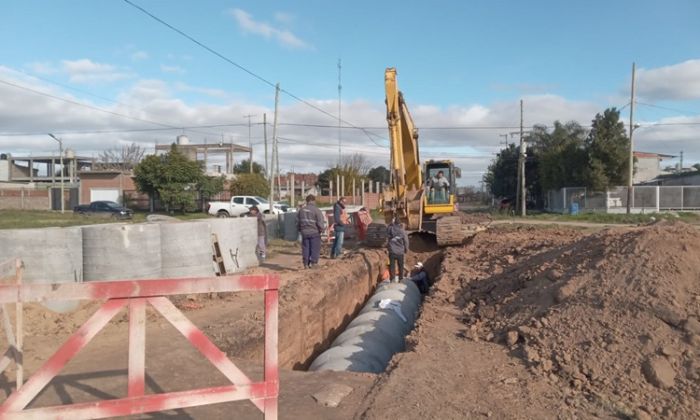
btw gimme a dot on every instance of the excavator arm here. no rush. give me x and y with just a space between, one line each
404 194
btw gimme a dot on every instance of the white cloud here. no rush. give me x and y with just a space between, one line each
89 72
171 69
283 36
42 67
284 17
140 56
675 82
303 148
214 93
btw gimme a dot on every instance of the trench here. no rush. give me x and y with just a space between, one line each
379 330
355 333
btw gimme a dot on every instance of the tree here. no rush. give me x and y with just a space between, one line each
124 158
250 184
353 167
561 155
697 166
501 175
243 167
379 174
172 177
209 186
608 151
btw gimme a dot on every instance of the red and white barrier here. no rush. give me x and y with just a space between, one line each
137 294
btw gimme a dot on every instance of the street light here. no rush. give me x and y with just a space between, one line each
60 151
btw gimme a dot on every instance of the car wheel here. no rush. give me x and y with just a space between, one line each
222 214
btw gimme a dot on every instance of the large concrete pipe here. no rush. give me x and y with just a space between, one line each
186 250
121 251
379 331
50 255
237 240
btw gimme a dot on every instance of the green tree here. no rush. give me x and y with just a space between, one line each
501 175
697 166
379 174
250 184
608 151
172 177
561 154
243 167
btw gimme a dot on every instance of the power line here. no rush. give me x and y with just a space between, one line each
95 108
242 68
667 108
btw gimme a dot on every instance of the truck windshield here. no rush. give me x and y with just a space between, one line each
261 200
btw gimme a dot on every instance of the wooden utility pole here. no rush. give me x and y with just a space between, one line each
274 142
520 195
265 138
630 183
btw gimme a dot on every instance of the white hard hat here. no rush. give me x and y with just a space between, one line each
418 265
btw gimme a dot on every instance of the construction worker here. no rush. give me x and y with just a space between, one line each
261 247
438 188
420 277
340 220
397 246
311 223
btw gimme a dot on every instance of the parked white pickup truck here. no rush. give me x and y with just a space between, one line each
239 205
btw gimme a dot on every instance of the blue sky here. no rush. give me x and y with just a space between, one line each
459 63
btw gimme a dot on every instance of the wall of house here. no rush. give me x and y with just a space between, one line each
107 180
647 169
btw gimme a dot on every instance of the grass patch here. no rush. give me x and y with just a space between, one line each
26 219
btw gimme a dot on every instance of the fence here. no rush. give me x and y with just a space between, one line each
24 199
645 199
136 294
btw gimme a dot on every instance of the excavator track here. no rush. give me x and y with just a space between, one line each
376 235
451 231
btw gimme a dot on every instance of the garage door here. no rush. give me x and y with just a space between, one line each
104 194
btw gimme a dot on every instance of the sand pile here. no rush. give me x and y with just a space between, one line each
613 317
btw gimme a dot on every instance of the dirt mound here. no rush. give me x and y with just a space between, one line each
611 317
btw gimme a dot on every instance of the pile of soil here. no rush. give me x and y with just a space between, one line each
611 318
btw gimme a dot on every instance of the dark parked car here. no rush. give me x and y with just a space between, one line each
105 209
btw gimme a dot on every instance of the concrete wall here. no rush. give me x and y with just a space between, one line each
50 255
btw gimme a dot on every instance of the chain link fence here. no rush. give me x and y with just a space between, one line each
645 199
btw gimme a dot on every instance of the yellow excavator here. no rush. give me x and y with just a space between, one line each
422 197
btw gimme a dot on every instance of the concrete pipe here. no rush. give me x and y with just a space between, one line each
186 250
121 251
237 240
50 255
376 334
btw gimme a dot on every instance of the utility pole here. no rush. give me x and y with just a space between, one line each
523 147
680 170
265 138
250 142
274 142
340 88
505 136
630 184
60 151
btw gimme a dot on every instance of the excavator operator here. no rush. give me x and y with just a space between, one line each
438 188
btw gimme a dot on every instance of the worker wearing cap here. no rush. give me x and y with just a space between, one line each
420 277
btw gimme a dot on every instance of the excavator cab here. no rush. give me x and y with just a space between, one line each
440 188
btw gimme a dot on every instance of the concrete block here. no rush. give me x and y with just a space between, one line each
237 240
186 250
